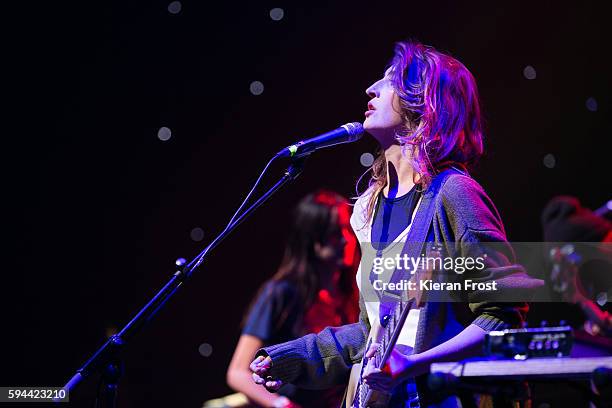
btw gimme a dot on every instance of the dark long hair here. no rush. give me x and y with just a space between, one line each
316 217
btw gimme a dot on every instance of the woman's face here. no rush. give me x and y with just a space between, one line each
383 118
332 250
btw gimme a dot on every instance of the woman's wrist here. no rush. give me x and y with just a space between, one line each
420 364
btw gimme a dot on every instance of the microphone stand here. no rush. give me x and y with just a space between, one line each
107 360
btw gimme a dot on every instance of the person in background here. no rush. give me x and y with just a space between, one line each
564 219
314 287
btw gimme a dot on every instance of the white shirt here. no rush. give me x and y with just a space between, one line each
363 231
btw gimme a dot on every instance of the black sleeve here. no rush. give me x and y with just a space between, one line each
262 320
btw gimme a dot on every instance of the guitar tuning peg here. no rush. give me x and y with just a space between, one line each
562 323
543 323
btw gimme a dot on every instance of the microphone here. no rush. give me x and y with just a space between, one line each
351 132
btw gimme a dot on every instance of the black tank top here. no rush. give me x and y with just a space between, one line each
392 216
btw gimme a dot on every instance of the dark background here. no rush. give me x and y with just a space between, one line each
97 208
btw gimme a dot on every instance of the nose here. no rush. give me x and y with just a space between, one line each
372 90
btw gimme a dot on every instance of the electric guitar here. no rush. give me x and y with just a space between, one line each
385 333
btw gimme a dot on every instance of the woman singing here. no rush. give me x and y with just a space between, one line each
425 114
314 287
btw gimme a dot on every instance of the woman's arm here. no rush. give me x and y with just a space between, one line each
467 343
239 375
467 215
315 361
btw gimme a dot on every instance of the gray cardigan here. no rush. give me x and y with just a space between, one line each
464 214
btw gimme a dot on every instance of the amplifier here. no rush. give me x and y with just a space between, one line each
529 342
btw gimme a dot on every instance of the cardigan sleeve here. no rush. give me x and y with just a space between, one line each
470 219
318 361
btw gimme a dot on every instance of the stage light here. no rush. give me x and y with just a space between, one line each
197 234
175 7
256 88
591 104
205 349
366 159
277 14
529 72
164 133
549 161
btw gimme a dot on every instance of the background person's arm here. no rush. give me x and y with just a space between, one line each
239 376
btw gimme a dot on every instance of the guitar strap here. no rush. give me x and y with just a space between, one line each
415 241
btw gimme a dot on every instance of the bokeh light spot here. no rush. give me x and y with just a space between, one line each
366 159
197 234
549 161
175 7
164 133
205 349
591 104
529 72
277 14
256 88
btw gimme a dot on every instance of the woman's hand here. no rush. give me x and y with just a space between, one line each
260 368
398 367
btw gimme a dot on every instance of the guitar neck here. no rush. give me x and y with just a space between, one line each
395 324
392 326
393 329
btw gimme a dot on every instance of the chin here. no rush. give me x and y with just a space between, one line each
370 127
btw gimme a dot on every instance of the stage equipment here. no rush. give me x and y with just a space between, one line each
107 359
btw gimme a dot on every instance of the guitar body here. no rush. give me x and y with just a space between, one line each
358 394
373 399
355 385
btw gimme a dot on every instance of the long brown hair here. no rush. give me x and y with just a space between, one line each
441 114
315 217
